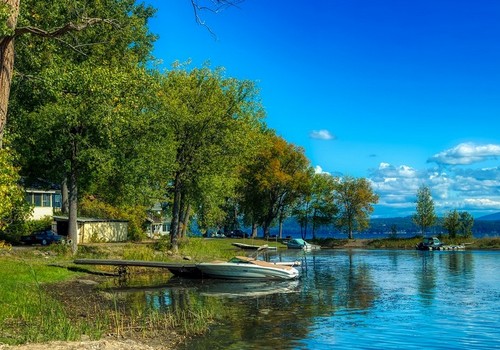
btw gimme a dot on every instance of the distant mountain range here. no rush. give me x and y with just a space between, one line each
491 217
488 225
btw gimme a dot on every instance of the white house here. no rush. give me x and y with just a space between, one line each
44 201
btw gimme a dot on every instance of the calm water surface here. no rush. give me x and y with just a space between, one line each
359 299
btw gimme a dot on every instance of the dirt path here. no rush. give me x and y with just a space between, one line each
103 344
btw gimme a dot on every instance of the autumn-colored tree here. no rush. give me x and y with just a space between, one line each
354 198
274 181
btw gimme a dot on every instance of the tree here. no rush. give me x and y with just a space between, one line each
73 134
425 216
354 199
42 66
209 116
466 224
452 223
323 205
64 19
60 18
274 181
12 203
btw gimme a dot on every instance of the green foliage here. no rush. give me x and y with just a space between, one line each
14 210
466 224
5 12
91 206
452 223
425 216
458 223
207 115
354 199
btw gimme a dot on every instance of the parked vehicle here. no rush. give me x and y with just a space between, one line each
429 243
237 234
45 237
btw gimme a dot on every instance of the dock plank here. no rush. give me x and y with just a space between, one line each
180 269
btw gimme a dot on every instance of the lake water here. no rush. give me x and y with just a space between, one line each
354 299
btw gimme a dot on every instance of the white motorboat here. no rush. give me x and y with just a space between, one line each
245 268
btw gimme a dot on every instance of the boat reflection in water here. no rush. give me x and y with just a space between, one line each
238 289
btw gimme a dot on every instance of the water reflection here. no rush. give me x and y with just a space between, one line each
354 299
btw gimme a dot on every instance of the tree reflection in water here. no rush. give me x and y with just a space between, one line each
340 295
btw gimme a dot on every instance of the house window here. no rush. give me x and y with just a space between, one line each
38 199
29 198
56 200
46 197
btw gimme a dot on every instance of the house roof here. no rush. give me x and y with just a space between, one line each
65 218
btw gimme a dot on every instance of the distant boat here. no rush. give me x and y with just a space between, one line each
245 268
253 247
433 243
298 243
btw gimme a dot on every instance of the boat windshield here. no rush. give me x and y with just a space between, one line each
239 260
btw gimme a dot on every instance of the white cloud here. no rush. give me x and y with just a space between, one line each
321 135
466 153
473 190
319 170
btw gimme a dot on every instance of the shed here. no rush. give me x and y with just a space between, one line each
95 230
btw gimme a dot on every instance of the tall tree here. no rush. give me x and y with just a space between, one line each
71 135
452 223
466 224
274 181
354 198
324 208
209 116
121 40
57 19
425 216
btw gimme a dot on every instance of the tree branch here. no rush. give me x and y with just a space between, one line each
214 6
68 27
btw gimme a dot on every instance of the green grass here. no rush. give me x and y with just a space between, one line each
27 313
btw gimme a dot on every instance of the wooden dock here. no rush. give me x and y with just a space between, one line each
179 269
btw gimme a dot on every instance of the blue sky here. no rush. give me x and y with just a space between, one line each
403 93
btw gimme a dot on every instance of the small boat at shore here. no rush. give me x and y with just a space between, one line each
253 247
433 243
297 243
245 268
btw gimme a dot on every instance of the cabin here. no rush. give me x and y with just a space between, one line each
44 200
94 230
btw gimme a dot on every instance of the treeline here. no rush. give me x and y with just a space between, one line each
405 225
91 111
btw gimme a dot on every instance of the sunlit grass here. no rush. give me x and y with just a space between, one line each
27 313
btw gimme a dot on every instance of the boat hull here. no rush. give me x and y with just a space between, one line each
246 271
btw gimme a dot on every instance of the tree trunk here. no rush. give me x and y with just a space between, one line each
73 201
281 228
314 220
185 221
7 65
254 230
64 197
174 226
